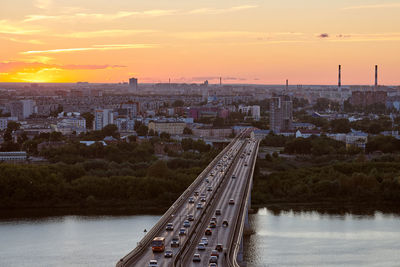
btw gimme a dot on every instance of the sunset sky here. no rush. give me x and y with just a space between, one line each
260 41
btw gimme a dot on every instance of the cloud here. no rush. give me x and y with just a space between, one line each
43 4
139 14
9 28
18 40
12 66
102 33
376 6
93 48
214 11
323 35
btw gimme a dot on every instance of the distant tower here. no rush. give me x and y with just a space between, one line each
220 81
340 78
133 83
287 85
376 76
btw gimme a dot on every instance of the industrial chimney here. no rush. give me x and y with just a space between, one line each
287 85
376 76
340 78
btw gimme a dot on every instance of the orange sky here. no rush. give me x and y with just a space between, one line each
260 41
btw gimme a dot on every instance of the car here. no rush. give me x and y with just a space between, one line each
212 224
191 200
182 231
196 257
207 181
196 193
231 201
225 223
213 265
186 224
203 199
175 242
168 254
214 253
214 219
203 195
213 259
217 212
208 231
199 206
201 246
209 189
190 217
169 227
212 174
233 176
245 164
219 248
153 263
204 240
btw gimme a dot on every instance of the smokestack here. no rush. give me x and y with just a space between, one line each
287 85
340 77
220 81
376 76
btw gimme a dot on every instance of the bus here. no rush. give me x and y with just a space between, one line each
158 244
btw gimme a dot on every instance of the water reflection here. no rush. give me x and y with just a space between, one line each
303 237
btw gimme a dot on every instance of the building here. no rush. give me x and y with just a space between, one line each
366 98
133 84
281 114
13 156
4 122
172 128
22 109
213 132
70 125
102 118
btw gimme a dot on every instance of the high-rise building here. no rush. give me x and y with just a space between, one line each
133 84
281 113
22 109
102 118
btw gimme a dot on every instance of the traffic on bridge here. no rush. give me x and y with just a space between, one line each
202 227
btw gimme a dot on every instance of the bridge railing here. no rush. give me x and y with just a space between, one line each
235 238
145 242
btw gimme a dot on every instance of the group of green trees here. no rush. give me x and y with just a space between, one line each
120 174
369 182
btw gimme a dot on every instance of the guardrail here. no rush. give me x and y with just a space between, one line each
212 203
145 242
239 228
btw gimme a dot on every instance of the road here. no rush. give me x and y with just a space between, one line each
215 177
234 190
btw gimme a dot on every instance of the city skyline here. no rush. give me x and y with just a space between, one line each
246 42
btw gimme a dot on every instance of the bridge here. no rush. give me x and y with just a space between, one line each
217 202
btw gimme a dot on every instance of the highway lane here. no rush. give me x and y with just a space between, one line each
220 235
180 215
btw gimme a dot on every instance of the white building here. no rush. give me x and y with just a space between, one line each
70 125
102 118
13 156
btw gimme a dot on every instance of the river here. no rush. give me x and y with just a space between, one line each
284 238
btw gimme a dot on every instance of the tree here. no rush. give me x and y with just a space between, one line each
340 126
110 130
178 103
142 130
187 130
165 136
158 169
13 126
89 117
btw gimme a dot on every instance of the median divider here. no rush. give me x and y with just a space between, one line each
234 239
